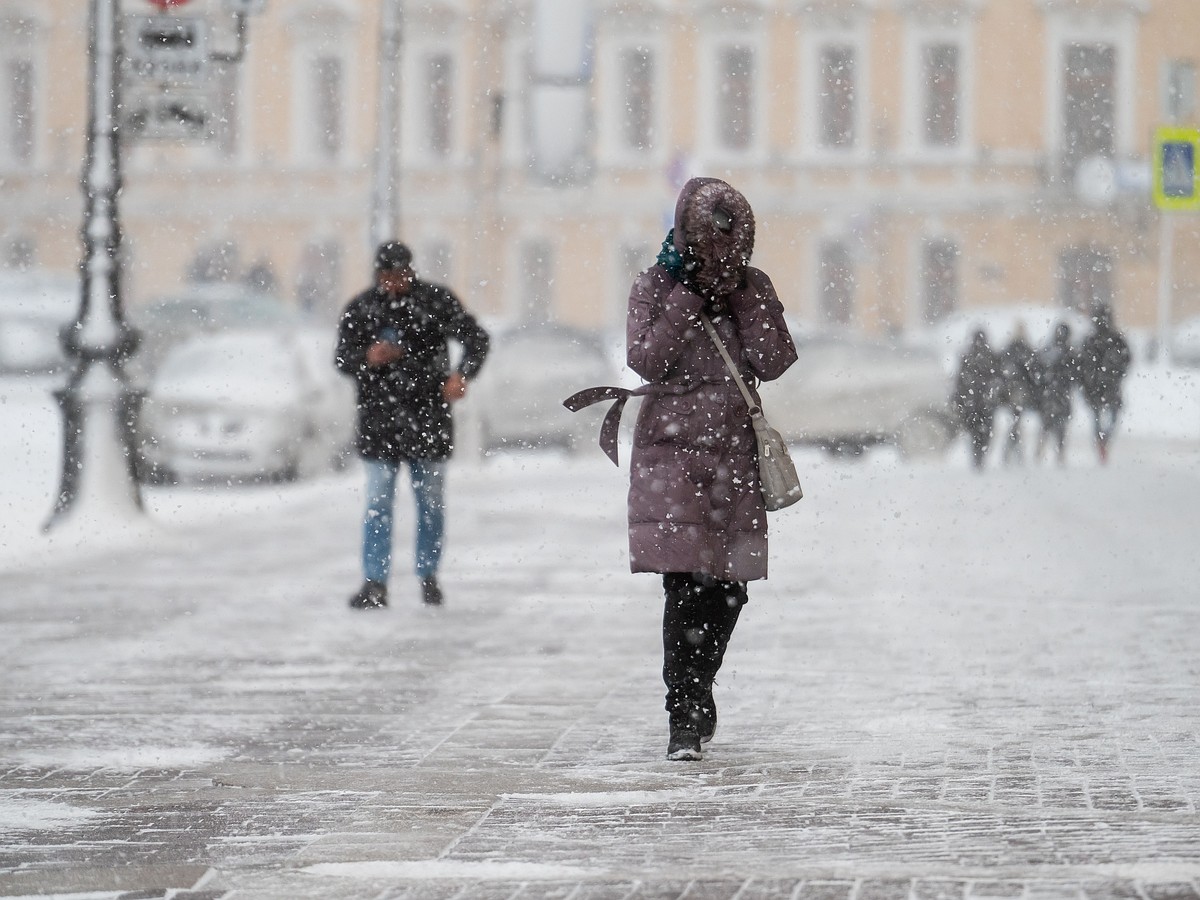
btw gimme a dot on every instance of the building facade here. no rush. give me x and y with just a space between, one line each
906 158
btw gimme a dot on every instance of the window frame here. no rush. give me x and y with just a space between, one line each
1117 28
919 36
856 34
711 148
419 50
322 28
22 39
613 148
922 243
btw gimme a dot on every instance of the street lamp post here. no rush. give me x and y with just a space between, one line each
384 189
98 478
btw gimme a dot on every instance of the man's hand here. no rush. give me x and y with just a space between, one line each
383 353
454 388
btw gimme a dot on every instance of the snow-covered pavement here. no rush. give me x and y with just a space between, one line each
953 685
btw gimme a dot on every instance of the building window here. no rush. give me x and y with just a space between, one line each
735 97
19 114
327 117
636 73
941 82
837 96
939 278
439 104
835 269
536 282
1089 104
1179 91
1085 279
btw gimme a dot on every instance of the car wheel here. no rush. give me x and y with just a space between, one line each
924 434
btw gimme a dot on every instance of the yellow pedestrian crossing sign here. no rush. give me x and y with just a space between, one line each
1176 186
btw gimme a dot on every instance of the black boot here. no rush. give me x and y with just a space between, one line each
431 592
372 595
698 620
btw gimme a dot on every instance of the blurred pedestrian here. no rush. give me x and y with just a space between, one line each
696 513
1103 363
1019 371
1057 371
977 393
393 341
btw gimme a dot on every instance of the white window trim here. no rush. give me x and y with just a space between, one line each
321 29
22 37
415 146
916 285
856 34
708 143
833 235
912 140
612 149
1118 28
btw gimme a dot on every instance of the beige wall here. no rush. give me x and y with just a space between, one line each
1010 226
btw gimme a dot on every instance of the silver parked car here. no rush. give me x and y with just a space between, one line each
847 392
202 309
247 404
518 398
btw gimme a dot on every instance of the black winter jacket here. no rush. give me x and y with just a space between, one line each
401 412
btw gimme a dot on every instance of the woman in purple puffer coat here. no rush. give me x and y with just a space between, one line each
696 512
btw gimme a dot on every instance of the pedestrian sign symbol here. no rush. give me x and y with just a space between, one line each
1175 177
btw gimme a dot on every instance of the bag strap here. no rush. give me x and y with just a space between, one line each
737 377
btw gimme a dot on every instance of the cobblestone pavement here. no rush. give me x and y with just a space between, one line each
951 687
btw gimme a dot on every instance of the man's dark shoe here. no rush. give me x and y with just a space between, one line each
372 595
706 718
431 593
684 743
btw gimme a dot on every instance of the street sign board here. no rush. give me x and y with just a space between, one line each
169 115
1176 181
167 48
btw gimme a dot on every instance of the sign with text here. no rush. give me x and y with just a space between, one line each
167 48
1176 151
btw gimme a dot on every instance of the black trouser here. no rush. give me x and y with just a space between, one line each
698 619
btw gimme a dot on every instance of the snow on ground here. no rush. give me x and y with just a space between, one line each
949 673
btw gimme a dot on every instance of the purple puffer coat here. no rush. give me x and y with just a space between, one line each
694 498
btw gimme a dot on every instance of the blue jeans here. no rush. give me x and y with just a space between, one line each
428 483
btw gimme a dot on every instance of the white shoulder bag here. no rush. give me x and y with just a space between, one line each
776 471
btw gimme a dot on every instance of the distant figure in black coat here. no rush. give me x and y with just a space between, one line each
1103 363
976 394
1019 368
1057 376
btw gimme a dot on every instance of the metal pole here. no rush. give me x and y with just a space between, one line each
98 406
385 192
1166 258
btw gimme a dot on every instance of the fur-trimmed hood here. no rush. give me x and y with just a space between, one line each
714 233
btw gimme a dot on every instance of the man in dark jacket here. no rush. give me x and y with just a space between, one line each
1103 363
1020 376
977 391
1056 379
393 341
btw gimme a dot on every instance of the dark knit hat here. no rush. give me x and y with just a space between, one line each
392 255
